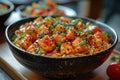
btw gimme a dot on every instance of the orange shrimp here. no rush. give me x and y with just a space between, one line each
46 43
58 38
77 47
59 28
71 34
66 48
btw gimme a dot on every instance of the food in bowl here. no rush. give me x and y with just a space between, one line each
43 8
60 67
61 37
3 8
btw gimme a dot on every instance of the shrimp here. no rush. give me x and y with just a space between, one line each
58 38
66 48
71 34
46 43
34 48
63 19
25 42
79 25
44 29
102 36
58 28
79 48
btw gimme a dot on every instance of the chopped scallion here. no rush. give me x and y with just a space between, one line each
38 51
41 35
23 34
75 21
48 18
58 44
63 34
36 25
56 21
89 32
40 17
58 32
88 24
115 58
79 31
83 42
13 37
68 27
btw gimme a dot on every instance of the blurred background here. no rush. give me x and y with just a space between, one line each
107 11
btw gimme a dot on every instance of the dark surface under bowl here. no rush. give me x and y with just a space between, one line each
60 67
4 17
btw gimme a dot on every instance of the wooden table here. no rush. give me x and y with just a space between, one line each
19 72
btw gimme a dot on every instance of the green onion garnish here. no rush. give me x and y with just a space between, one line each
79 31
75 21
38 51
41 35
56 21
58 44
40 17
88 24
67 28
89 32
58 32
48 18
13 37
23 34
63 34
115 58
36 25
83 42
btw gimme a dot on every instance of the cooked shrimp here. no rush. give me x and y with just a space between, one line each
46 43
58 38
80 48
59 28
71 34
66 48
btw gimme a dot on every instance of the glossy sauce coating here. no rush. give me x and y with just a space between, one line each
61 37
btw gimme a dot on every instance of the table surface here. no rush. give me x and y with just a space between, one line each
19 72
25 73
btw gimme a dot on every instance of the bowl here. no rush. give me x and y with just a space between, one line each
68 11
21 2
56 67
4 16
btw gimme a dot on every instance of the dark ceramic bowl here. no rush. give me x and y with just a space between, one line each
4 17
60 67
68 11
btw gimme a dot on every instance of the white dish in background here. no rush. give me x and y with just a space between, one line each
68 11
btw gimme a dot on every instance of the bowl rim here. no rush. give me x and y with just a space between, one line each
64 8
10 4
51 57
